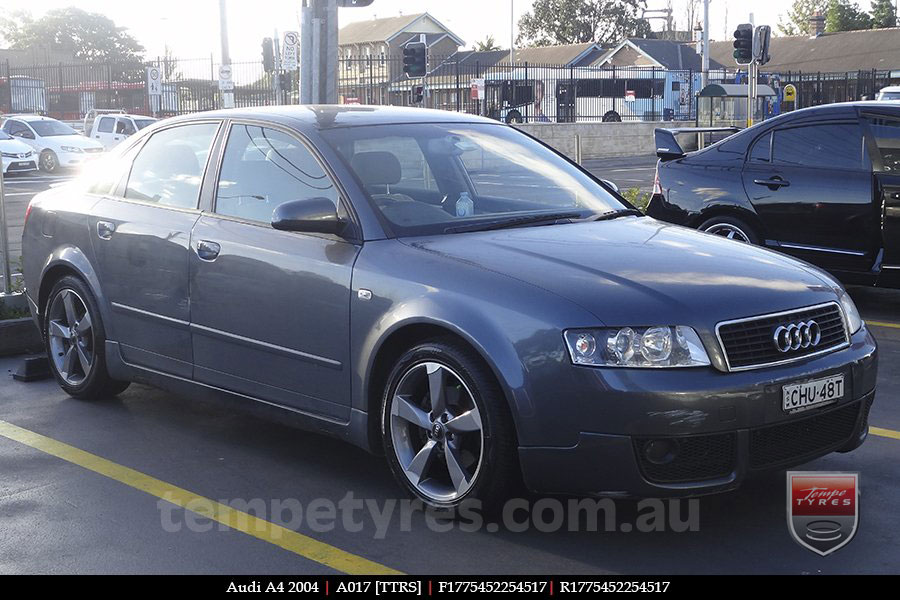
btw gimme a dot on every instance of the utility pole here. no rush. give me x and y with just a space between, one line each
512 32
319 51
228 97
705 75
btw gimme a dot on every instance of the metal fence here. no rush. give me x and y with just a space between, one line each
519 92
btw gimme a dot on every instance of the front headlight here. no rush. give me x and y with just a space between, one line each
661 346
851 315
71 149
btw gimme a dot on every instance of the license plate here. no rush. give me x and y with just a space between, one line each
803 396
24 164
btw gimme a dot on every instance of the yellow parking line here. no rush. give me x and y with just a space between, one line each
277 535
888 433
884 324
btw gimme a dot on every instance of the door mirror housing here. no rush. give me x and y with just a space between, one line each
315 215
610 185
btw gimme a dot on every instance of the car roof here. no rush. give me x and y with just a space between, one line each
329 116
31 118
890 88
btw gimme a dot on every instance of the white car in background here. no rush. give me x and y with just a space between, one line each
15 156
112 129
891 92
56 144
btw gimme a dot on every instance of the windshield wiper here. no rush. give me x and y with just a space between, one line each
615 214
546 218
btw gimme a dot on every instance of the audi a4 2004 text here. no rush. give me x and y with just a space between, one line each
448 291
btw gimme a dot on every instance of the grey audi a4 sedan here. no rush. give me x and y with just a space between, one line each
450 292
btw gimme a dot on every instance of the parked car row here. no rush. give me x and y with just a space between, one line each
31 142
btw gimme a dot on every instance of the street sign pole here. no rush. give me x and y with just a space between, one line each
4 238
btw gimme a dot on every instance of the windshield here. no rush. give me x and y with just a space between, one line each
51 128
428 178
141 123
889 96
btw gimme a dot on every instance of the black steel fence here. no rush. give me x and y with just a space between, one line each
463 82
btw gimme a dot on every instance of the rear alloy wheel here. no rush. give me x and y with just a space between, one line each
49 161
730 228
446 433
75 339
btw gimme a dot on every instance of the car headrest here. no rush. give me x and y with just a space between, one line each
376 168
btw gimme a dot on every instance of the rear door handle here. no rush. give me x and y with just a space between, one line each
775 182
105 229
207 250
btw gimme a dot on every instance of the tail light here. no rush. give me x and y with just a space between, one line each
28 210
657 188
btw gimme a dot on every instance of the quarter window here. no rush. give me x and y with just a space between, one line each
835 146
887 137
264 168
169 168
106 125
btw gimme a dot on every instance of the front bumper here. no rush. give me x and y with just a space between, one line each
19 165
73 159
724 426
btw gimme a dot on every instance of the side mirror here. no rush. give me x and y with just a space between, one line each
315 215
610 185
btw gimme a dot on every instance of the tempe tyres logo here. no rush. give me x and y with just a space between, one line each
823 509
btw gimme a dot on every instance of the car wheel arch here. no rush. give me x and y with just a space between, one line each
69 260
401 338
749 217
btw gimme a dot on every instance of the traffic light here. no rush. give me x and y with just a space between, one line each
761 38
417 94
743 44
415 59
285 81
268 52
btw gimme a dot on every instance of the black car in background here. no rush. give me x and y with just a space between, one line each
822 184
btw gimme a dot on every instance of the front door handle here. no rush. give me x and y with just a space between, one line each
105 229
774 183
208 251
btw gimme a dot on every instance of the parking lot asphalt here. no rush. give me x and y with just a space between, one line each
625 172
95 487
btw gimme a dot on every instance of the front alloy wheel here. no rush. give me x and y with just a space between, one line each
437 432
446 427
49 161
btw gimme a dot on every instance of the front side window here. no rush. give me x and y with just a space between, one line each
264 168
124 127
834 146
428 178
169 168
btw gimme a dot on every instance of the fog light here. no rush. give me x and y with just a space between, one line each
661 452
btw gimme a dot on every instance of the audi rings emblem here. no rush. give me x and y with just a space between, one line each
797 335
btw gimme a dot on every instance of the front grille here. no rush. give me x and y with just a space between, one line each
795 440
748 343
699 457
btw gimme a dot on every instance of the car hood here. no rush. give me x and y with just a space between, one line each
78 141
638 271
14 147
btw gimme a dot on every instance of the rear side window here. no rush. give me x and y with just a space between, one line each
887 137
762 150
264 168
835 146
106 125
169 168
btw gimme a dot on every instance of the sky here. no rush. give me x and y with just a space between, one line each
190 28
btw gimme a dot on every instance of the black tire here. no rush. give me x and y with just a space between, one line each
498 475
612 116
49 162
720 225
514 116
97 383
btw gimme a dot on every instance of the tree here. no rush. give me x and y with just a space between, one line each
843 15
488 45
884 14
87 36
551 22
800 14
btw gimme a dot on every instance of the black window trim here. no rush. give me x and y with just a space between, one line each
353 232
123 185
